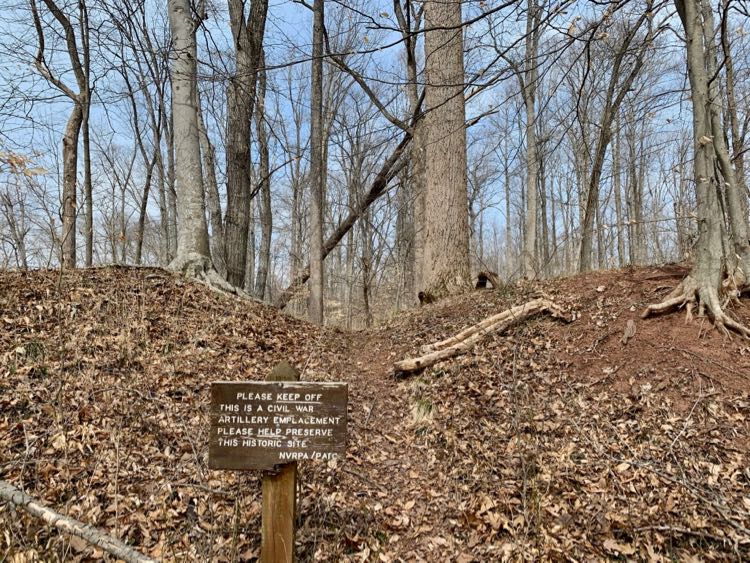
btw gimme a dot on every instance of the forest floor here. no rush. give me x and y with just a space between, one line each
553 441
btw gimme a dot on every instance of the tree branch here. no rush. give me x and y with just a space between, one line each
71 526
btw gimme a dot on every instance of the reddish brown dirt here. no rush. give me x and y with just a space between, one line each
554 441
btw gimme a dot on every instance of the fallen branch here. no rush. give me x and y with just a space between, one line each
526 309
70 526
466 339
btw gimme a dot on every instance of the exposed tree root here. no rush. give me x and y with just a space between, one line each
692 294
466 339
200 268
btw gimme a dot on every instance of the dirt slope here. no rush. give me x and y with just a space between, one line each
552 442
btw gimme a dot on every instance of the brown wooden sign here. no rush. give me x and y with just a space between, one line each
261 424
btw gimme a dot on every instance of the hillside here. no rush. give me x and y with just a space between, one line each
552 441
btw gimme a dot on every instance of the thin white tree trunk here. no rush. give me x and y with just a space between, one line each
192 230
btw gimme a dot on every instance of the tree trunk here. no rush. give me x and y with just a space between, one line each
150 163
266 212
446 250
592 201
703 287
377 188
317 197
164 247
249 284
544 246
213 198
75 45
70 185
737 139
739 256
248 38
87 187
508 218
554 255
122 230
529 86
617 188
171 191
192 231
415 208
143 211
366 267
617 88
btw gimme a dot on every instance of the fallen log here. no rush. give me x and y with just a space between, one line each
71 526
467 338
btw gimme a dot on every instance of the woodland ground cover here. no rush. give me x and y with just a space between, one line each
551 441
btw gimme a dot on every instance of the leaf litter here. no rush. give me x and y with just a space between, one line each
549 442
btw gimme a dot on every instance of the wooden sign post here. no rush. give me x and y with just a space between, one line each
270 425
279 497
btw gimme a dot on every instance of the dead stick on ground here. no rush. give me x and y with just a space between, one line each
464 340
70 526
523 311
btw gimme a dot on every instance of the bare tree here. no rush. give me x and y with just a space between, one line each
78 51
622 75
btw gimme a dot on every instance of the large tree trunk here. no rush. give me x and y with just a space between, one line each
317 197
192 231
704 286
238 178
739 256
446 235
248 39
